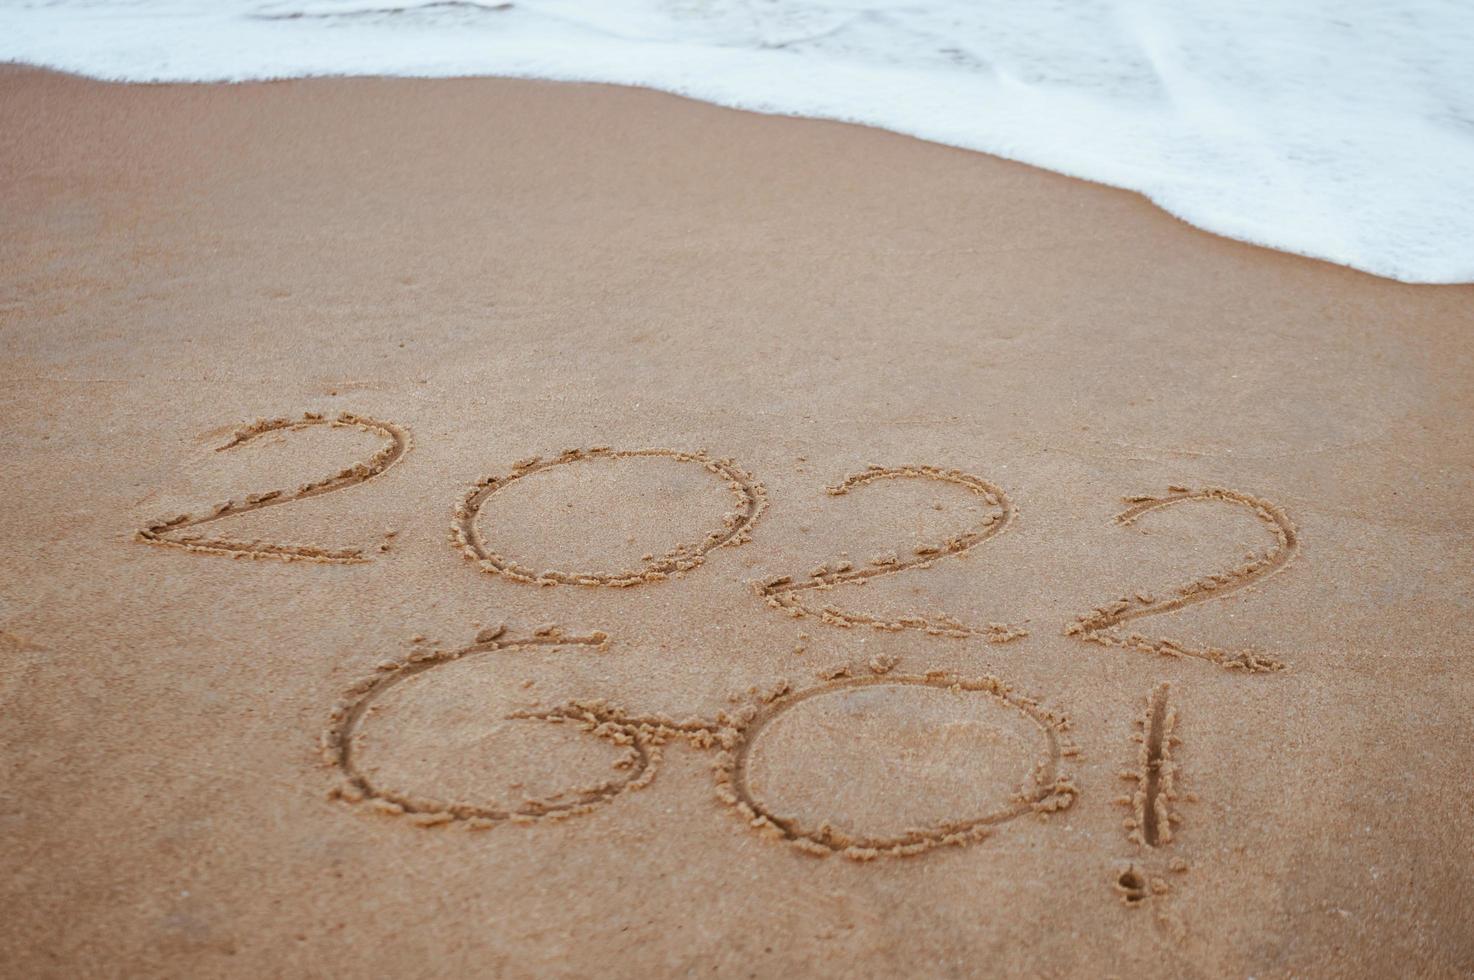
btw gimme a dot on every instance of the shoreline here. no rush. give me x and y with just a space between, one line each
1068 171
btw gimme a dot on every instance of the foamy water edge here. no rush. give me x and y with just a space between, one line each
1337 133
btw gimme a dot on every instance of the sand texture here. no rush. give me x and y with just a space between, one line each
517 529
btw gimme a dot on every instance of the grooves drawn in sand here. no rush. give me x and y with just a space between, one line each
168 531
1135 883
1095 625
1152 816
1155 775
355 787
1049 790
749 495
784 593
642 737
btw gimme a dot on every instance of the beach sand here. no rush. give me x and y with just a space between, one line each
941 747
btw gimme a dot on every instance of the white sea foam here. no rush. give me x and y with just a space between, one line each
1340 129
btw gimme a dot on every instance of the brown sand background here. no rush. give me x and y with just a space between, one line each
509 268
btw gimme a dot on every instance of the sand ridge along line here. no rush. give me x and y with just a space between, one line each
1152 818
749 495
168 531
751 500
784 593
1048 790
1155 774
641 737
1094 626
348 715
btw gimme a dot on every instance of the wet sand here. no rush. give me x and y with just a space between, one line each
678 540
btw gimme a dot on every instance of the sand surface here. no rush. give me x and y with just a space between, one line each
967 712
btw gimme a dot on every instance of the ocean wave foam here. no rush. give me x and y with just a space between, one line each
1338 130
